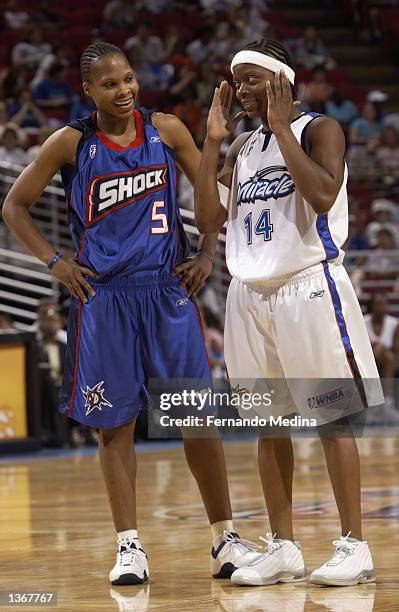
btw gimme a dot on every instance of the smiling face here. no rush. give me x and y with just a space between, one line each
112 85
250 86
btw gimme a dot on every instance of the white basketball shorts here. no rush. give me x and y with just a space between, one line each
308 330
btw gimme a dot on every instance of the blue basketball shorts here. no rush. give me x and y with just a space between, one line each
135 329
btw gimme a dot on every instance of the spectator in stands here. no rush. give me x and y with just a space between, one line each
60 54
383 332
150 45
172 41
53 91
6 324
51 364
44 133
318 91
203 46
387 153
11 150
14 19
183 77
48 304
119 14
189 110
45 17
363 138
385 265
214 343
30 52
357 240
12 81
341 109
366 129
151 75
230 42
3 114
81 107
205 83
381 210
25 113
379 99
49 326
310 51
249 17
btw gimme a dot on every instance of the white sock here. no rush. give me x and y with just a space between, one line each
218 528
132 534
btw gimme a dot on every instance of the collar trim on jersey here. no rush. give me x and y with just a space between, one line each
137 142
264 131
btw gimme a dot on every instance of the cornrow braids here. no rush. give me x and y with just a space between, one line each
93 53
275 49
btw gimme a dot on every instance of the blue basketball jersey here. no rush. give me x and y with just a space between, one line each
122 206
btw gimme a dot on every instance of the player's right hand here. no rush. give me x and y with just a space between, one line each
70 274
219 124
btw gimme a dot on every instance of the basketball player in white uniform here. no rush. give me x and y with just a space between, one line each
291 310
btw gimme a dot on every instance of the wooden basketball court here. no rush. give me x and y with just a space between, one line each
56 532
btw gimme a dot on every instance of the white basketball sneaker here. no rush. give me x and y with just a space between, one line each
282 562
131 565
230 552
350 564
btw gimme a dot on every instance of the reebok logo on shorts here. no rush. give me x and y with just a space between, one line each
182 302
317 294
112 191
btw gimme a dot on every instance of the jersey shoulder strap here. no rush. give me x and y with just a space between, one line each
146 114
85 126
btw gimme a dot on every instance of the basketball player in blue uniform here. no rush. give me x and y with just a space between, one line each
291 310
131 319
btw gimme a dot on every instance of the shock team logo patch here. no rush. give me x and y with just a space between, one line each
113 191
94 398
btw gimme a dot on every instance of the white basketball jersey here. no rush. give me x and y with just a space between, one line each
272 230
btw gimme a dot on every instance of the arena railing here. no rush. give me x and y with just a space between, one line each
24 280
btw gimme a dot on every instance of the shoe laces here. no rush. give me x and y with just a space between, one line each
271 544
243 545
130 551
343 548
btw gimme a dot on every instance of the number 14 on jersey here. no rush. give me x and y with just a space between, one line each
262 226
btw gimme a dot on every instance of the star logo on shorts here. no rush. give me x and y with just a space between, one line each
94 398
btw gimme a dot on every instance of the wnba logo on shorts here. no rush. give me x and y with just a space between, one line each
92 151
325 400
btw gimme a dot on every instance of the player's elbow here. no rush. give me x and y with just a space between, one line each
323 203
206 226
9 211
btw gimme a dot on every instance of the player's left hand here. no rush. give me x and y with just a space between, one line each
280 105
194 273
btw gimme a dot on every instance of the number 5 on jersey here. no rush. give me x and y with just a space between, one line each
263 225
159 217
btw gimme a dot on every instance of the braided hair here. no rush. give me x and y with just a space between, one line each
93 53
275 49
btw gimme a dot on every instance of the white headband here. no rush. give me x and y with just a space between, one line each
271 63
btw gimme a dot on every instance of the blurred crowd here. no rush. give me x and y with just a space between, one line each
180 50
